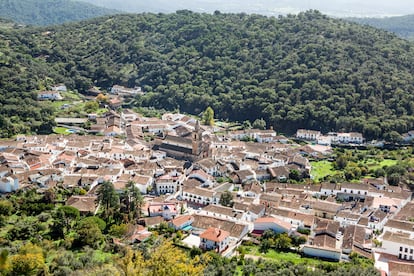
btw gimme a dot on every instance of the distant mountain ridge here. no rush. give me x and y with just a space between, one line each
49 12
337 8
403 26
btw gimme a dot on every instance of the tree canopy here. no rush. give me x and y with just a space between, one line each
295 71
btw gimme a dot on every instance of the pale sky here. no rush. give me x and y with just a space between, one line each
377 8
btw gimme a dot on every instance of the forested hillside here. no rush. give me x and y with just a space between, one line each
49 12
20 76
304 71
403 26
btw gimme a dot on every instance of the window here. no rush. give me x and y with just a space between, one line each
411 251
400 248
406 250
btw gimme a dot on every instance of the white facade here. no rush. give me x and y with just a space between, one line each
397 244
117 89
214 239
212 245
143 183
354 189
200 196
346 138
59 87
326 253
49 95
8 184
166 210
328 189
169 183
278 226
346 219
308 134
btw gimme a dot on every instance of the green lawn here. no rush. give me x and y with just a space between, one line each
58 104
70 95
374 164
61 130
320 169
284 256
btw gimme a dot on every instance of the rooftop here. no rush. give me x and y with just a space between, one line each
214 234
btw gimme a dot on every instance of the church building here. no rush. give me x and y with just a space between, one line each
186 148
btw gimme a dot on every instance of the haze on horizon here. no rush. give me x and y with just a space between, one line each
339 8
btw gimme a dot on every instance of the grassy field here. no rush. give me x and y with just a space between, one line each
284 256
374 164
72 96
61 130
58 104
323 168
320 169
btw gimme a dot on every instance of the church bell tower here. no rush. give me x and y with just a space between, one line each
197 139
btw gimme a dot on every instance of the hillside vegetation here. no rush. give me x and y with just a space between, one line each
304 71
49 12
403 26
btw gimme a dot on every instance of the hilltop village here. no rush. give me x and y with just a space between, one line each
222 187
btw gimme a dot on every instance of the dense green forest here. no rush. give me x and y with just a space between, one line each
403 26
49 12
298 71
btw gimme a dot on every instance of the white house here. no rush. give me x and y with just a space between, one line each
169 183
129 115
168 210
270 223
200 196
324 140
9 184
202 176
49 95
308 134
181 222
209 166
353 190
266 137
143 182
346 218
400 226
214 239
346 138
397 244
118 89
328 189
59 87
